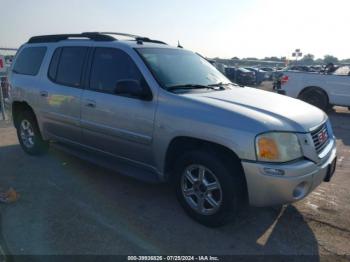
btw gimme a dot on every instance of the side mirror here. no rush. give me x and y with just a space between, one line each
132 88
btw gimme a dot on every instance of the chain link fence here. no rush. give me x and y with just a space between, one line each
2 101
7 54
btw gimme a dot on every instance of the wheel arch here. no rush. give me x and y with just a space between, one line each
17 108
182 144
313 88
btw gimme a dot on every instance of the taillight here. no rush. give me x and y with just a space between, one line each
284 80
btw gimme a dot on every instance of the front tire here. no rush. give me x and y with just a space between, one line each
208 188
29 135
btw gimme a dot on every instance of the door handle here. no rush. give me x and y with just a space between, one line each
44 93
90 103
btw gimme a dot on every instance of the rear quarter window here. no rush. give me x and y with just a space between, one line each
29 61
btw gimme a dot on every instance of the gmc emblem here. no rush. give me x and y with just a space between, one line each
323 136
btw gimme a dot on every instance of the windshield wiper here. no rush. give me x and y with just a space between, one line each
190 86
221 84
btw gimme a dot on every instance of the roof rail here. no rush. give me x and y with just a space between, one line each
113 33
57 38
139 39
96 36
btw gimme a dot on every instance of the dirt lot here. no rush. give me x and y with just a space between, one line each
68 206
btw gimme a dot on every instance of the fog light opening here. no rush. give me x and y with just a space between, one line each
300 190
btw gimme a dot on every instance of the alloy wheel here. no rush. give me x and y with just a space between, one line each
201 189
27 133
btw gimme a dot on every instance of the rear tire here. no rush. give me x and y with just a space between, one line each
316 98
216 198
29 135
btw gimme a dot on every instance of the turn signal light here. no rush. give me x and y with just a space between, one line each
268 148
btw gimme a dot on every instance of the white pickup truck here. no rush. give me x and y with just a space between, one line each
321 90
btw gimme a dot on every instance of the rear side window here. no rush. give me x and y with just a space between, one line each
54 63
29 61
66 65
110 66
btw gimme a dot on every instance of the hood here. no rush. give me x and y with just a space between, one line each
274 111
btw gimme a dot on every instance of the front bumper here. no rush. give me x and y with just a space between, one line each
299 180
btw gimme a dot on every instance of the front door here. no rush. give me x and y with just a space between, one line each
116 124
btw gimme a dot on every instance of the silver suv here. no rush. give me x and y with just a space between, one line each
162 113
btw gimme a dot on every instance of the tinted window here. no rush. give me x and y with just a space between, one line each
110 66
54 64
29 60
70 66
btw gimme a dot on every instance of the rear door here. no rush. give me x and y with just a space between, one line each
116 124
60 96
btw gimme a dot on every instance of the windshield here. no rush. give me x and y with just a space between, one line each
176 67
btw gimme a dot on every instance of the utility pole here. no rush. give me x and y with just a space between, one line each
297 54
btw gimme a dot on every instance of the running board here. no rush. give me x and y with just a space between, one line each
115 164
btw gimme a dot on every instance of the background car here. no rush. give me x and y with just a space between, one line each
317 68
342 71
301 68
269 71
260 75
240 75
319 89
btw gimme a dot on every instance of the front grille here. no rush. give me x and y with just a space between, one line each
320 136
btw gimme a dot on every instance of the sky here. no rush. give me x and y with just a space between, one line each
220 28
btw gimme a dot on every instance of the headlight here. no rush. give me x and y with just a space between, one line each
278 147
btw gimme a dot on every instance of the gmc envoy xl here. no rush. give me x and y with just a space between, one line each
161 113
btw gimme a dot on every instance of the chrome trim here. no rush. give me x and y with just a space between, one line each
320 145
319 125
327 149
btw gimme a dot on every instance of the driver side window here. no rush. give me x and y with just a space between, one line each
110 66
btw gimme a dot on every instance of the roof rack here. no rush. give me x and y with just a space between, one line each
139 39
96 36
57 38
